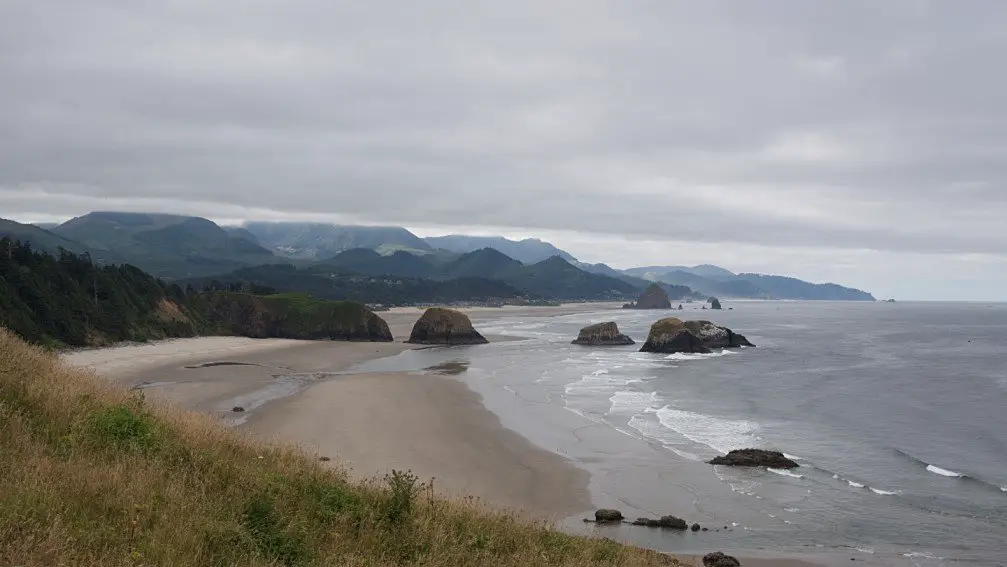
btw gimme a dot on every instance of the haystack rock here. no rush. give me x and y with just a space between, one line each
602 334
671 335
654 297
441 326
755 458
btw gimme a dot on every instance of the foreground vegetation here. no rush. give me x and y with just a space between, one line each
95 475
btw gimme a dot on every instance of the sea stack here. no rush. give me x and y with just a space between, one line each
441 326
654 297
602 334
755 458
671 335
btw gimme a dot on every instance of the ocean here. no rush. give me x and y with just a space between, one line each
897 413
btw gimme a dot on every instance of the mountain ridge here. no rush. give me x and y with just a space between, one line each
178 246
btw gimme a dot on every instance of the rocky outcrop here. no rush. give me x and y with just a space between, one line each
671 335
602 334
654 297
718 559
667 522
604 516
715 304
441 326
755 458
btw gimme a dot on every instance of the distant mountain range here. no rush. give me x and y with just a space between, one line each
167 246
527 251
314 241
716 281
179 247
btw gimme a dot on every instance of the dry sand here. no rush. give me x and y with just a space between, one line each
434 426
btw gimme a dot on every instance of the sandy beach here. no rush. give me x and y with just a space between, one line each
299 392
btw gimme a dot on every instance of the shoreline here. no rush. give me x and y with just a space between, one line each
439 427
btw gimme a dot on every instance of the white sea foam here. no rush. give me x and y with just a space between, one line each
651 430
598 383
632 402
721 434
854 484
791 457
785 472
883 492
943 472
697 356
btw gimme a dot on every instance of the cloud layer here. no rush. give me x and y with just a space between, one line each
806 134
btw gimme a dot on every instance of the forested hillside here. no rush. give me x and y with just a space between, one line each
66 299
326 282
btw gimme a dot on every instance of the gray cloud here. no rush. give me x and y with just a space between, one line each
832 127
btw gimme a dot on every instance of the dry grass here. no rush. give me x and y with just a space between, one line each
91 474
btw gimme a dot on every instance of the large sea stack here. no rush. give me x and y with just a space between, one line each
654 297
671 335
602 334
441 326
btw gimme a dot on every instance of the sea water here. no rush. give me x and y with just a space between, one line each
897 414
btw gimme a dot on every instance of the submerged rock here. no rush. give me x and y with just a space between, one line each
654 297
605 515
695 527
671 335
718 559
602 334
441 326
755 458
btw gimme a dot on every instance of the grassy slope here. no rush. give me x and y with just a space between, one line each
93 475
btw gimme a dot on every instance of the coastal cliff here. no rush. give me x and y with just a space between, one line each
291 316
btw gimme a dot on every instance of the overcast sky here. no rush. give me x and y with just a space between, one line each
858 142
